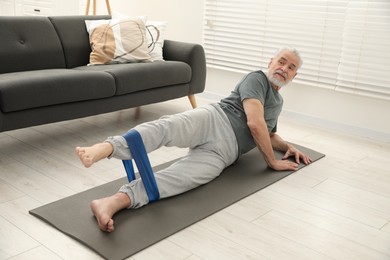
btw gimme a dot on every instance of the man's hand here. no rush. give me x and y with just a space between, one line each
284 165
292 151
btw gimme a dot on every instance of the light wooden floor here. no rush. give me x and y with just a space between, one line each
336 208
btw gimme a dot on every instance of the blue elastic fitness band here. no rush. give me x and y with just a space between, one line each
137 148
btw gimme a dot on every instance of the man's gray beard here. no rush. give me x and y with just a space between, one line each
276 82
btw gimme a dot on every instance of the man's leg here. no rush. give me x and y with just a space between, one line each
187 129
209 131
197 168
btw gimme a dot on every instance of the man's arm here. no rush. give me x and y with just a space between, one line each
254 111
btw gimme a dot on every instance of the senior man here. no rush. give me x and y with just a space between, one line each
216 135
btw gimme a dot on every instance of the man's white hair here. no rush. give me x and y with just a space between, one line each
293 50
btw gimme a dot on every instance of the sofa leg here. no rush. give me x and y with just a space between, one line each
137 112
192 100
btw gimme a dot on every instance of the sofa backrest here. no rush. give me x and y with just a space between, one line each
29 43
74 37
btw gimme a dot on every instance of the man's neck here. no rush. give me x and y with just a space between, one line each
275 87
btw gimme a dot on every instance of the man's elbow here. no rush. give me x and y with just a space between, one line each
254 127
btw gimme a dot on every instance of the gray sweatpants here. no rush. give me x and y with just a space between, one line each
208 134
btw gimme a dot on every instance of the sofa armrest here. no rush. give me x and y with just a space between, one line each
193 55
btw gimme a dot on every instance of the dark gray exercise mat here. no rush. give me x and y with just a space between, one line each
140 228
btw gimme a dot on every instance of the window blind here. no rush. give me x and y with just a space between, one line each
242 35
365 58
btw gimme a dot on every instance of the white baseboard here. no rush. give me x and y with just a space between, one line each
319 122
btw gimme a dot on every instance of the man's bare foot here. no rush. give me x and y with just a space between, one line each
105 208
93 154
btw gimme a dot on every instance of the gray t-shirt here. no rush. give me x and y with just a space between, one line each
254 85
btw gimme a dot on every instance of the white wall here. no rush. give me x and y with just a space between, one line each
184 17
326 108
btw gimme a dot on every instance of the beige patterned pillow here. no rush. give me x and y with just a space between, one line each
117 41
155 35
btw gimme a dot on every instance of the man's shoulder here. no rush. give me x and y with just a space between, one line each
257 79
257 73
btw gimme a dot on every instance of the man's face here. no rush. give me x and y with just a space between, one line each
282 69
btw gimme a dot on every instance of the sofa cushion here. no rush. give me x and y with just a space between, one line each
74 37
29 43
32 89
133 77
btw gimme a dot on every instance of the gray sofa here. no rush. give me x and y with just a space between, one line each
44 76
